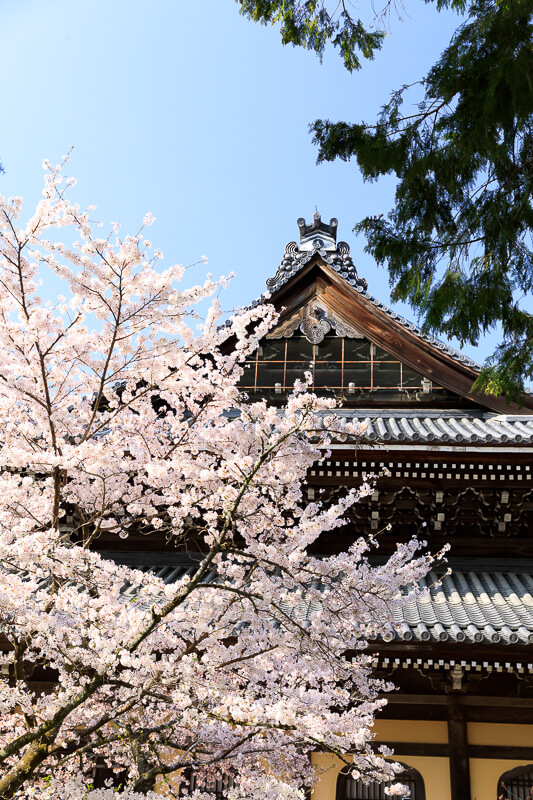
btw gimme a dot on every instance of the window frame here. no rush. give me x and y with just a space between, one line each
409 775
512 776
345 368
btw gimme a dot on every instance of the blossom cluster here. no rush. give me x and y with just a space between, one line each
119 418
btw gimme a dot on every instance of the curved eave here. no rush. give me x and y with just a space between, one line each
469 606
437 427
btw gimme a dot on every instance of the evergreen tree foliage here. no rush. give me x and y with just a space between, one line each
314 23
458 241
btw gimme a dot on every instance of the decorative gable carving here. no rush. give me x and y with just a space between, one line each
315 322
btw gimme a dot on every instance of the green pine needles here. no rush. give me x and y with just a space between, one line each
313 24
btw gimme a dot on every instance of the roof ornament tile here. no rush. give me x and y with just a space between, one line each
318 235
317 238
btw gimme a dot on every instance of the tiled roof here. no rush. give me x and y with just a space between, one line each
293 261
469 606
466 606
338 258
167 573
168 567
440 426
481 606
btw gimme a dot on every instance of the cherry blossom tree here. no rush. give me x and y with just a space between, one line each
119 413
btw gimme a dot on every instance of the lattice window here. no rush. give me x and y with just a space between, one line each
351 367
350 789
215 786
516 784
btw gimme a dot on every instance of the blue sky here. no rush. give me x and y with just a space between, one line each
187 110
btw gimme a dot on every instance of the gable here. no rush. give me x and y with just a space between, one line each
324 309
351 308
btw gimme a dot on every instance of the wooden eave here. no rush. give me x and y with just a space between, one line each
318 281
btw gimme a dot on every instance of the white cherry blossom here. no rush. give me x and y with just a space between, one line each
120 419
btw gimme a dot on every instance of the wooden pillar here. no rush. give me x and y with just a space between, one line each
458 744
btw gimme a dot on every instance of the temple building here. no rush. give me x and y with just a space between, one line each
455 467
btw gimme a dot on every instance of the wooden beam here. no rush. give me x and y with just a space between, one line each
458 744
434 750
496 751
508 710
